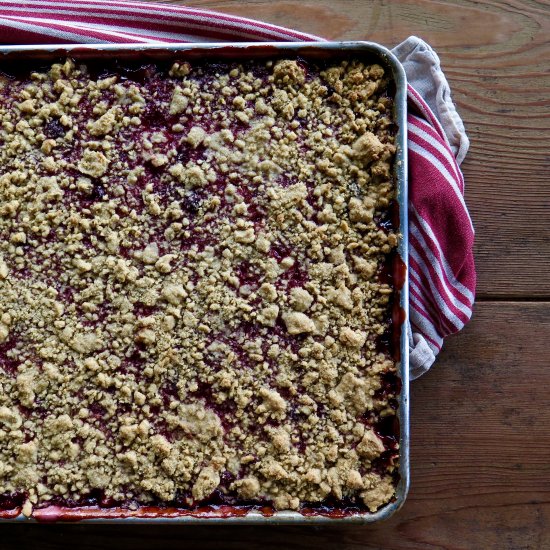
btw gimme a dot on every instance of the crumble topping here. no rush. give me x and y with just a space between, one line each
192 288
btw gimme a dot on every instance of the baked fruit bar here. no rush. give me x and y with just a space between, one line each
195 286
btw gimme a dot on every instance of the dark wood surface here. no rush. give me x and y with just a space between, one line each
480 429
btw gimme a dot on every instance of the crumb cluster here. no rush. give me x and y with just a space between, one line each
190 299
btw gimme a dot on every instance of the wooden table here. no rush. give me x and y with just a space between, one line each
481 418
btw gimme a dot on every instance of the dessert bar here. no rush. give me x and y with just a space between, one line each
196 286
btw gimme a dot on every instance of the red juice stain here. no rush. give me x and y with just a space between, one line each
388 430
295 277
10 501
124 408
390 385
186 153
392 272
267 511
8 364
333 508
246 274
279 250
169 392
256 214
97 409
144 310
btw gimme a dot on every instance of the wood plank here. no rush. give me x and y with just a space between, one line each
496 56
480 468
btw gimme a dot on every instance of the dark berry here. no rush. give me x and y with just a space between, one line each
192 202
54 129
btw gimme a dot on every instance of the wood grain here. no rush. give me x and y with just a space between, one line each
480 468
497 57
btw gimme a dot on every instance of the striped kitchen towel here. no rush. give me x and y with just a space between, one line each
442 273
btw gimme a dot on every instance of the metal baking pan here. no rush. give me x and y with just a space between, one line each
246 51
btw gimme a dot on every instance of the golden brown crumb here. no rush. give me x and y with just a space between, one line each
190 300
